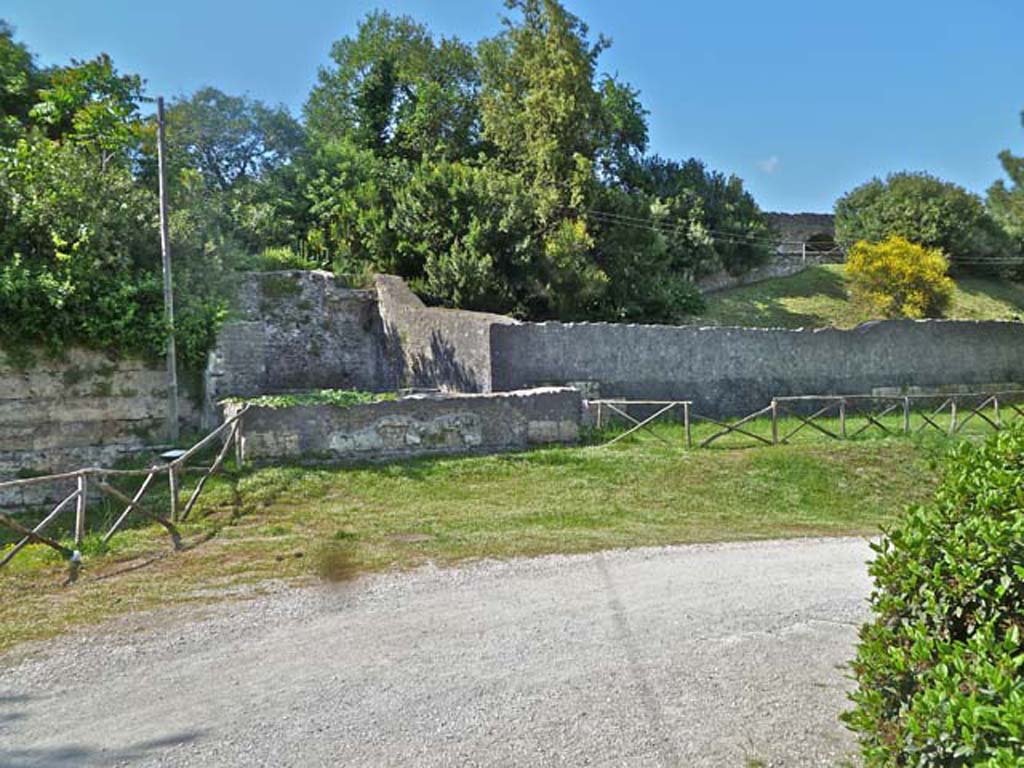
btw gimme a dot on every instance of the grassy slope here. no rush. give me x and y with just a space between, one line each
293 522
817 297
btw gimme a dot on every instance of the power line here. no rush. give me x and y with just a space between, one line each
738 238
651 223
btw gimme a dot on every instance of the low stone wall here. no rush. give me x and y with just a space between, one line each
298 330
446 349
86 409
733 371
419 425
780 265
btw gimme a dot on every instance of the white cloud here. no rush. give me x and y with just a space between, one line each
770 164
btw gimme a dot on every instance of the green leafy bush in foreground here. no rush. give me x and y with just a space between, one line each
941 667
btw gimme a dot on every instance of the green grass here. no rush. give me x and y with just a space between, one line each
298 524
817 297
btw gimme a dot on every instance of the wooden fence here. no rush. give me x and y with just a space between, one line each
839 417
88 478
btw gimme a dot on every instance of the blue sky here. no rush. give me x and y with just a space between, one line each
802 98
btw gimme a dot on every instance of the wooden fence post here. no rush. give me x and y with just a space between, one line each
172 481
686 423
80 510
906 415
239 445
842 418
995 408
775 422
952 416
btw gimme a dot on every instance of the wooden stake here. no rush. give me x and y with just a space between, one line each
114 493
172 482
19 528
775 422
135 500
80 511
232 435
38 529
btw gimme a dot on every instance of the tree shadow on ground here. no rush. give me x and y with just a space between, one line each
66 756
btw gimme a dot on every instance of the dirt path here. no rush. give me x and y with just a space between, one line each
720 655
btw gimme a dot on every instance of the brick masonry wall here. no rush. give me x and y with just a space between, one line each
733 371
297 330
87 409
419 425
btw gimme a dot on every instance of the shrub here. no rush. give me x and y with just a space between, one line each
900 279
940 668
925 210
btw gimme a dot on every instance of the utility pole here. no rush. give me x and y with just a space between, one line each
165 253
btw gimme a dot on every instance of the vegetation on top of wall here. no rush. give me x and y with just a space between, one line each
940 668
339 398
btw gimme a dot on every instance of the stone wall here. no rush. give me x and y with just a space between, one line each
780 265
298 330
732 371
87 409
418 425
431 347
796 228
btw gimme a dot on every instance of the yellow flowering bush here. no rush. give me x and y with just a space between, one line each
899 278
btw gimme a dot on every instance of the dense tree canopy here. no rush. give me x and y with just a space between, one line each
924 210
509 176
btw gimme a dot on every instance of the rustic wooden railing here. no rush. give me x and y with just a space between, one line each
97 477
850 415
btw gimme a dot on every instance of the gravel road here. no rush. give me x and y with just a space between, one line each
717 655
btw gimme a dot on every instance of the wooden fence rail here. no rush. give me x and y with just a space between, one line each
175 465
856 415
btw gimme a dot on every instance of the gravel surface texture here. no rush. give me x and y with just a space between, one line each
717 655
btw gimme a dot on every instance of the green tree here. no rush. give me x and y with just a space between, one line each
231 140
350 195
242 153
396 91
540 108
470 231
924 210
1006 202
77 252
714 223
20 80
91 104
